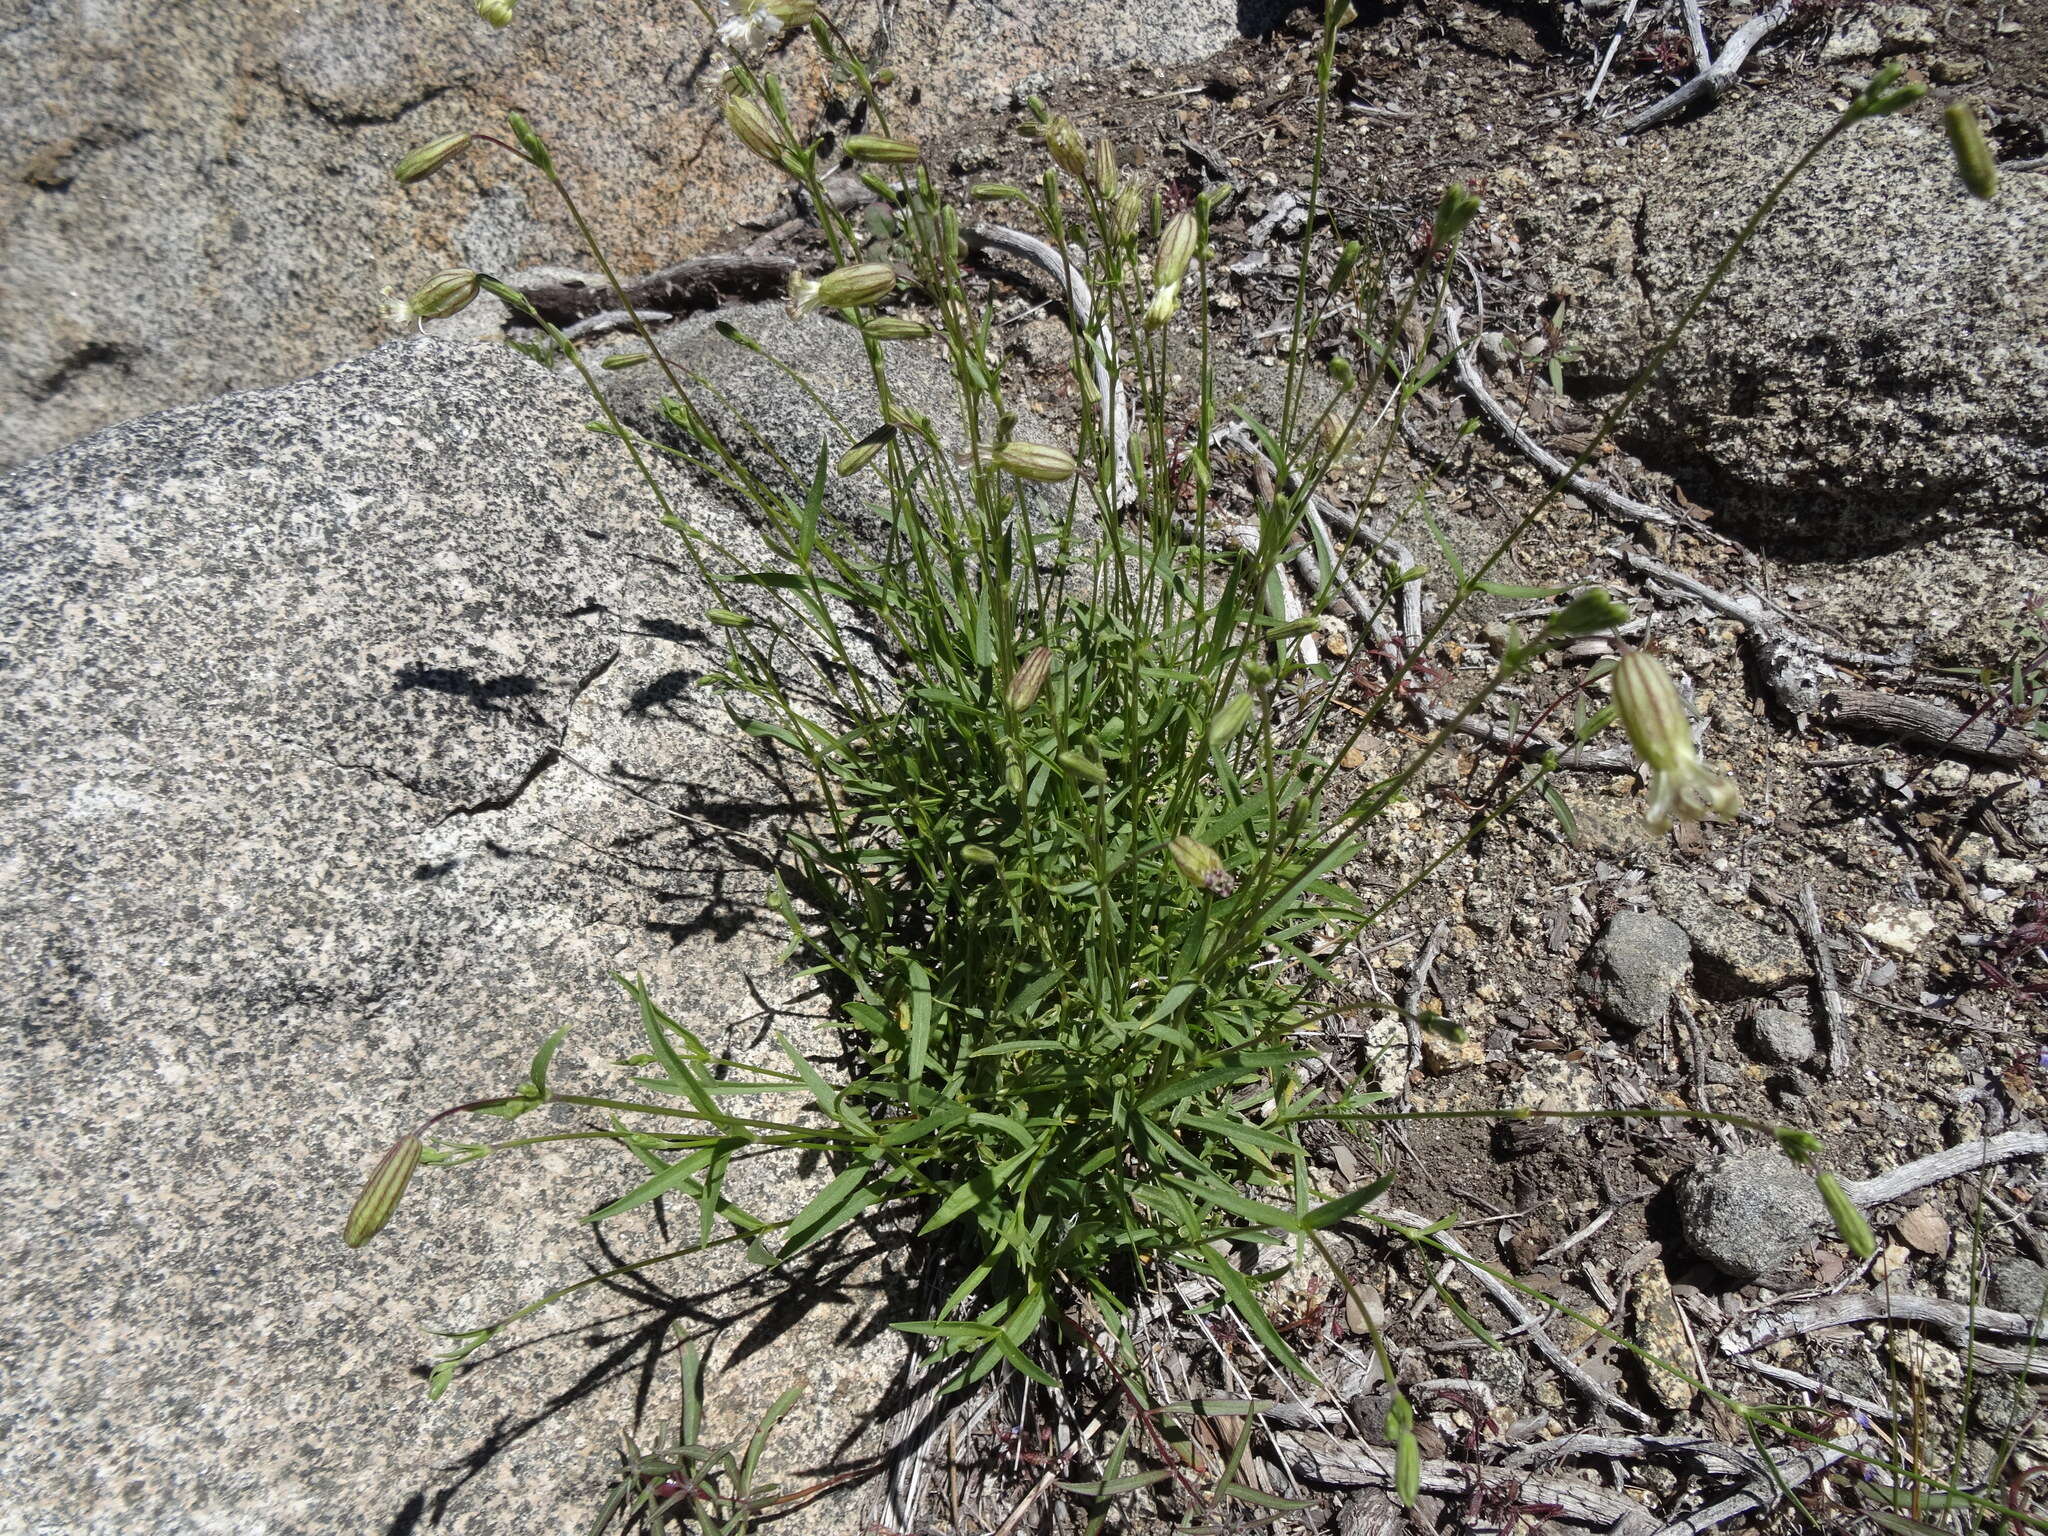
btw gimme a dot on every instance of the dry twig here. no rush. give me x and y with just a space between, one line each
1711 81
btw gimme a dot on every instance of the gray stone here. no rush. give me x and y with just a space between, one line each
198 197
1781 1037
1635 966
1741 950
1873 369
1750 1214
353 748
2017 1285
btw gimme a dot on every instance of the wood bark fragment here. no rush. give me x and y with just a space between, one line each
699 283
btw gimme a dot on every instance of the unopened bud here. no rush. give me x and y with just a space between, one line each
1588 613
998 192
895 328
1063 142
1176 249
1973 154
1681 786
1033 461
873 149
1347 263
382 1193
1849 1221
496 12
1229 720
1165 303
1082 767
862 453
792 13
1200 865
443 294
754 127
1880 99
1341 373
618 362
530 143
727 619
1102 167
1454 210
1801 1146
429 158
1029 680
1128 213
974 853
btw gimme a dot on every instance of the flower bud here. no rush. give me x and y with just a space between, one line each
792 13
895 328
618 362
1454 210
1879 99
444 294
1341 373
1176 249
1801 1146
382 1193
429 158
1681 786
1973 154
1347 263
862 453
1229 720
1128 213
1848 1220
1165 304
853 287
726 618
1063 142
1082 767
1588 613
496 12
1029 680
754 127
974 853
1102 167
530 143
873 149
1200 865
1033 461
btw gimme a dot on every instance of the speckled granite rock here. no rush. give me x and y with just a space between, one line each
342 719
197 198
1873 369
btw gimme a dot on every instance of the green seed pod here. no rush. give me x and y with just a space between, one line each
620 361
854 287
386 1187
497 12
1233 717
1347 263
754 127
998 192
1033 461
862 453
1083 767
1848 1220
1029 680
1199 864
530 144
873 149
974 853
429 158
1973 154
1407 1470
444 294
1588 613
1125 216
895 328
727 618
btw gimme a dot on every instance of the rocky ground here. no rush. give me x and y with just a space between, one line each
1846 465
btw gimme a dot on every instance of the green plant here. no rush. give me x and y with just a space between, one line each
1079 810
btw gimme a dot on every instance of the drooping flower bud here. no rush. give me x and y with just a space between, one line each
1681 786
1973 155
1029 679
1454 210
862 453
873 149
998 192
1879 99
530 143
1233 717
1128 213
444 294
895 328
1588 613
1341 372
429 158
1849 1221
1176 249
754 127
1081 766
725 618
1063 142
853 287
497 12
382 1193
1033 461
1200 865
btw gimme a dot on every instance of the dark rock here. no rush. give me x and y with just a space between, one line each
2017 1285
